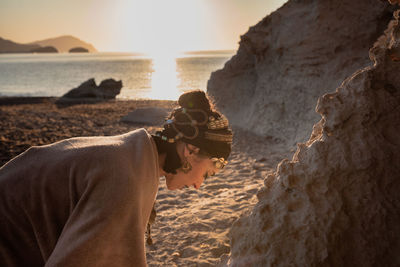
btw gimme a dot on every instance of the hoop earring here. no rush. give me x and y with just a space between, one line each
186 167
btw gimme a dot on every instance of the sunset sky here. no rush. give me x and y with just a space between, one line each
151 26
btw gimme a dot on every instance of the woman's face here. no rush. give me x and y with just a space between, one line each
202 167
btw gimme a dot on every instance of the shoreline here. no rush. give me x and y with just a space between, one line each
20 100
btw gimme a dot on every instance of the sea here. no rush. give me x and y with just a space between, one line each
143 77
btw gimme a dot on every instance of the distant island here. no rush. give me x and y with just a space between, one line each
62 44
46 49
7 46
78 50
65 43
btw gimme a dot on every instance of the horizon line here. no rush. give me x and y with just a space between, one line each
223 51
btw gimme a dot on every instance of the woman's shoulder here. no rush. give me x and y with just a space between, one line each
132 146
104 142
98 151
141 133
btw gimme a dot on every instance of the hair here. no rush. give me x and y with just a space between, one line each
194 105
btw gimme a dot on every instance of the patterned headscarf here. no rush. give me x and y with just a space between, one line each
208 131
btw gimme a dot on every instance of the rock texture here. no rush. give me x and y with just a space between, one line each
337 202
108 89
290 58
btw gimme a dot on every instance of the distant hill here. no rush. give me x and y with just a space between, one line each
65 43
7 46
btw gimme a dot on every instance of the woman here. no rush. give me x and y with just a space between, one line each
86 201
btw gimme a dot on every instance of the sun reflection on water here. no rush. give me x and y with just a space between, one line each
164 80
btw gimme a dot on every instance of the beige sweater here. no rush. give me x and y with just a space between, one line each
79 202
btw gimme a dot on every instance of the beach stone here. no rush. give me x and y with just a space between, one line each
108 89
292 57
148 116
337 202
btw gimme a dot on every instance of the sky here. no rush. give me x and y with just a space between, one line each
146 26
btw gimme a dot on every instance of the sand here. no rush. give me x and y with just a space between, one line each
191 225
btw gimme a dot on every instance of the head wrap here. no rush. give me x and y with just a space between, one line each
207 130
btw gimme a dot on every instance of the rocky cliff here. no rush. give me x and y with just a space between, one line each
290 58
337 202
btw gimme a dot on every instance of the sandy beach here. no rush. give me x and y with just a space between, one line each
192 225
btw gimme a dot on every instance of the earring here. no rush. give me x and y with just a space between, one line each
186 167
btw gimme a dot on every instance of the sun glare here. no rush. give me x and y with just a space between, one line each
168 25
164 80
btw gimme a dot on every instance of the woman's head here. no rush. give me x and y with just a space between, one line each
194 170
196 140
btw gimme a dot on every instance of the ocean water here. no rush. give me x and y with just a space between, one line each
163 77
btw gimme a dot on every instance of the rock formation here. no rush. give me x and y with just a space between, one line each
290 58
337 202
78 50
108 89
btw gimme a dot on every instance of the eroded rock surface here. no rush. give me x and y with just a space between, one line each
292 57
337 202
